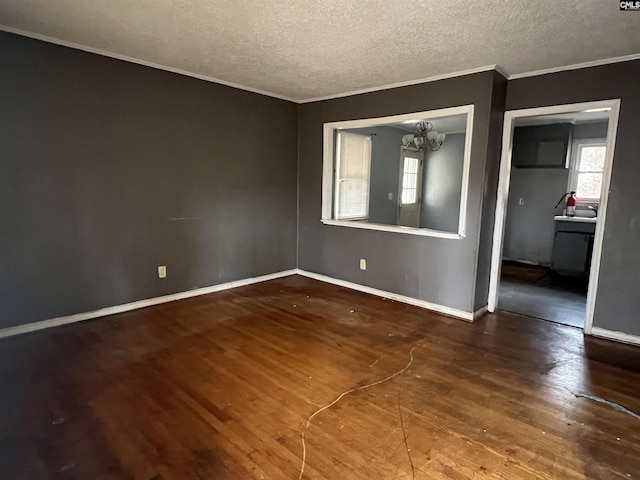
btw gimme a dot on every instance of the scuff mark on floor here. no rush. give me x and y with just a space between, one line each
67 467
615 406
549 366
404 435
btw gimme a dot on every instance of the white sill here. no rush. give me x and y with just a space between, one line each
425 232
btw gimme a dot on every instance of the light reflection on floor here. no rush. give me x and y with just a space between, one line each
541 301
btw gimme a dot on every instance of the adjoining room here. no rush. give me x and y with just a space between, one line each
556 187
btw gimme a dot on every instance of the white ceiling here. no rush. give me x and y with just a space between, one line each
305 49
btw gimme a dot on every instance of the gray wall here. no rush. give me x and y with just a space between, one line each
618 302
385 172
490 190
109 169
442 185
432 269
590 130
529 228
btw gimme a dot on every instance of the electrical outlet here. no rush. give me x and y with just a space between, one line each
363 264
521 201
390 195
162 271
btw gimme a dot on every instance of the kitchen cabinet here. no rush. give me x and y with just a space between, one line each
572 247
570 251
541 146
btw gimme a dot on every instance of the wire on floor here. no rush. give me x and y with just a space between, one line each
344 394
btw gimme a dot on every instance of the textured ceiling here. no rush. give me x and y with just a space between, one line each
302 49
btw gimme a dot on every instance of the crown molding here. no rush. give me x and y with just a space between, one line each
501 71
577 66
418 81
126 58
497 68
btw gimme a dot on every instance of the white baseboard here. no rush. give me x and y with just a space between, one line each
78 317
452 312
481 312
616 336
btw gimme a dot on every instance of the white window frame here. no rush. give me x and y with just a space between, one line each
328 176
338 181
573 171
417 181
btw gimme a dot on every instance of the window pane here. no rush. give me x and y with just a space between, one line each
589 185
411 165
410 180
353 173
591 159
408 195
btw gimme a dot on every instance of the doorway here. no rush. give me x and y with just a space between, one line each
409 195
545 263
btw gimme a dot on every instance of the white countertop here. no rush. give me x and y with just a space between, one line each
563 218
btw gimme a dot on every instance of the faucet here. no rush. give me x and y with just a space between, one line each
594 208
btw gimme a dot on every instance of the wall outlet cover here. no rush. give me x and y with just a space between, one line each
162 271
363 264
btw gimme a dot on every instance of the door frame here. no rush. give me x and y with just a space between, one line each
420 155
503 196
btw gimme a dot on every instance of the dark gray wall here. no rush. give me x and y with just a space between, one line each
385 172
529 228
442 185
489 190
432 269
618 302
109 169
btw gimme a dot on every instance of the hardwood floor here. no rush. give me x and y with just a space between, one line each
538 292
222 387
566 308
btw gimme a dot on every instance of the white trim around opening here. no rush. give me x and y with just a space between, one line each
328 150
503 195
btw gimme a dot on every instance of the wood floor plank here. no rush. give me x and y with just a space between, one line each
221 387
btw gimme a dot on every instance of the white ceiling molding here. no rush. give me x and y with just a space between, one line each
307 51
125 58
435 78
577 66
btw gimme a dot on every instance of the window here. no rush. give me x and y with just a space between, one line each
353 166
588 170
409 193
